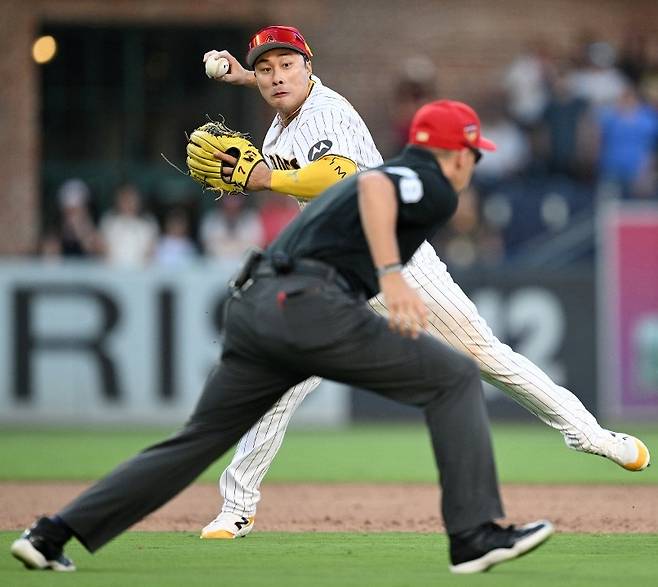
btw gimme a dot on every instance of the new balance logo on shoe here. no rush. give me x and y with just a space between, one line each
227 526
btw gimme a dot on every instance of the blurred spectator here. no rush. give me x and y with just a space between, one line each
563 120
129 236
649 83
467 240
231 228
276 212
416 86
513 150
50 247
627 147
175 247
633 59
526 84
598 81
77 233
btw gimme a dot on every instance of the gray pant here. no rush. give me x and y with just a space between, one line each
282 330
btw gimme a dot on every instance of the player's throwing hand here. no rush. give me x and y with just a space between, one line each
236 74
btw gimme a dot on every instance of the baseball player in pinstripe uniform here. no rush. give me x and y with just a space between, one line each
316 139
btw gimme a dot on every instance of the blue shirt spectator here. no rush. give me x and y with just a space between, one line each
629 136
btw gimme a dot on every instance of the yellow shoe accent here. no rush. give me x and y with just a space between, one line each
218 535
643 457
217 529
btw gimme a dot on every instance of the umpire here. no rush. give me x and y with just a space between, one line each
299 310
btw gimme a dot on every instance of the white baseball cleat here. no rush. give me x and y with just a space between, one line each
627 451
228 526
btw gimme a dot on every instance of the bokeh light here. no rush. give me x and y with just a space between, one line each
44 49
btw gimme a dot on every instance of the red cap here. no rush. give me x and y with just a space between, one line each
276 37
446 124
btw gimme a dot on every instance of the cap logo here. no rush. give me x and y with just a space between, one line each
422 136
270 39
471 132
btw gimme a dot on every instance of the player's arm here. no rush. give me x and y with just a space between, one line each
236 74
327 153
307 182
312 179
378 208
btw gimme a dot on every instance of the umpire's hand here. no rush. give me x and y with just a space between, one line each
407 313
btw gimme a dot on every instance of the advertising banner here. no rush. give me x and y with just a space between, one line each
84 344
628 289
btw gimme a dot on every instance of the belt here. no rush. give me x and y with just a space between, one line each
303 266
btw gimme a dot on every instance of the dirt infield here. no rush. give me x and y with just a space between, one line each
365 507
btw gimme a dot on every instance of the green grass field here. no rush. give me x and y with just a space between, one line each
525 454
150 559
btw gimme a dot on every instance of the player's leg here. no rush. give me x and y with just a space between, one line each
455 319
240 483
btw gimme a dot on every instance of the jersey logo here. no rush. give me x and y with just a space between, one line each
282 164
320 148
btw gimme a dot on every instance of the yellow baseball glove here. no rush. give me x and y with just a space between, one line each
205 141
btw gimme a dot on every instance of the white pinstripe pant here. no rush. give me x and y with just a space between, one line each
453 319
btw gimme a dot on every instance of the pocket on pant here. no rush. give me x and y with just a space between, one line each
315 318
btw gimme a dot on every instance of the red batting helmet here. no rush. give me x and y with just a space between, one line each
276 37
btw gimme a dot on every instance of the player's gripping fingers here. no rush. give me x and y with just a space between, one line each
236 74
215 54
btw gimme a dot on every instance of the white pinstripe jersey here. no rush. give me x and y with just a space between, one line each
326 124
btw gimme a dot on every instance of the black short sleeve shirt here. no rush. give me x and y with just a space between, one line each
329 228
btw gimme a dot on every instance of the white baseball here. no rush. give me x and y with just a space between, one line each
216 67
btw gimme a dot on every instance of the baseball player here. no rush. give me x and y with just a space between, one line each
313 127
298 310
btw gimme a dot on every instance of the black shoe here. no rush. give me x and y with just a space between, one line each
39 548
475 551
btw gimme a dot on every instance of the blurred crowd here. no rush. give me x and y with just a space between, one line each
573 130
130 236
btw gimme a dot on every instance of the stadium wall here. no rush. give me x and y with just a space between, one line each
359 48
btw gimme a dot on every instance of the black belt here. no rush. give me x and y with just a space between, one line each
267 268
